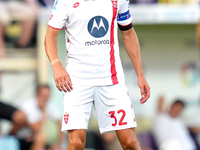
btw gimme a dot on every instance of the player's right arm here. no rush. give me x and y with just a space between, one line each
61 77
56 23
132 47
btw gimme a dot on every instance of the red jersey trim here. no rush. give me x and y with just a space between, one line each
55 28
112 42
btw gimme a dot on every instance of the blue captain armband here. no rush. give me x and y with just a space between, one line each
123 16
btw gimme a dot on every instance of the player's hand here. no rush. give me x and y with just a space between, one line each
144 88
62 78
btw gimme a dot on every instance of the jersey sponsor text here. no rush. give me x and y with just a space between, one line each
97 42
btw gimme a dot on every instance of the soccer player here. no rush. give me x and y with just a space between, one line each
94 73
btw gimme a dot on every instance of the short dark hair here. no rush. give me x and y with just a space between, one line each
39 86
179 101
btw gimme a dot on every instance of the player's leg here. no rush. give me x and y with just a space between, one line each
115 113
114 109
128 139
77 108
77 139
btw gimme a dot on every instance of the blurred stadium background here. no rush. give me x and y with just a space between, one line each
167 33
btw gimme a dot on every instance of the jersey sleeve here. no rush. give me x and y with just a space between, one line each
59 15
124 18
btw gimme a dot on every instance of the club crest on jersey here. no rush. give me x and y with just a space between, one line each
98 26
114 3
66 117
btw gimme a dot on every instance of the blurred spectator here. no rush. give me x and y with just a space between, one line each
38 110
169 131
10 113
193 123
19 11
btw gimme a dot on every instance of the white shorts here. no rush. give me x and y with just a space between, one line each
112 104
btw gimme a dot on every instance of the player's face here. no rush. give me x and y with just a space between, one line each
43 96
175 110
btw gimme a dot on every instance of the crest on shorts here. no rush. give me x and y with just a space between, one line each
66 117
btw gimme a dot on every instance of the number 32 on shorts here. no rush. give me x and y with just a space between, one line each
112 115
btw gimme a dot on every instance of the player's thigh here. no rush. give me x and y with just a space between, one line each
114 109
77 107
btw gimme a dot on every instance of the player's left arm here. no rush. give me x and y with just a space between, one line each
132 47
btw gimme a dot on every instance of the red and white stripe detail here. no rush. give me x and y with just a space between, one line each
112 42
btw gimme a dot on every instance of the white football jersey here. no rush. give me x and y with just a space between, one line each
91 38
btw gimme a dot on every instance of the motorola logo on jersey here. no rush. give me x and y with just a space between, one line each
98 26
